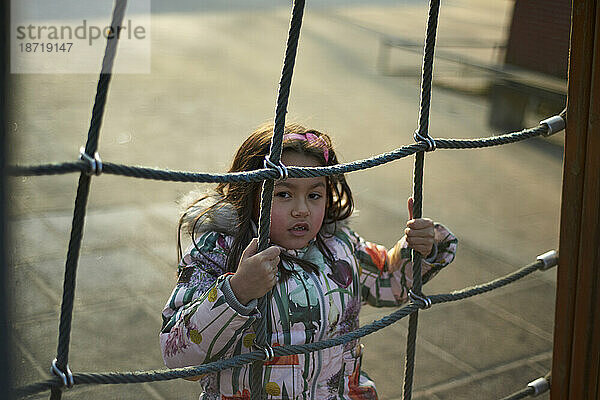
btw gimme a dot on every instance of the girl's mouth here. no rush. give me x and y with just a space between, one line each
299 229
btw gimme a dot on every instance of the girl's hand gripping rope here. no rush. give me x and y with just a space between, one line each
256 273
419 235
419 232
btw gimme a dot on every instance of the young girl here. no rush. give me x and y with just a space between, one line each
318 268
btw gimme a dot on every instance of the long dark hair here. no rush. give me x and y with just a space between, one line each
243 196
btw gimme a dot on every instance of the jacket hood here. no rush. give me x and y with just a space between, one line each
214 213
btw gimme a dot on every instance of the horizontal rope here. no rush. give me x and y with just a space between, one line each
262 174
533 389
520 394
163 375
48 169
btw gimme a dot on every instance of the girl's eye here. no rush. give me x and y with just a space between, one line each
314 196
283 195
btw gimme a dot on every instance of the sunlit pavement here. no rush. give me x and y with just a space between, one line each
214 78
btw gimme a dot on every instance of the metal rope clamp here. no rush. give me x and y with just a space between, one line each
554 124
422 301
550 259
431 146
94 163
66 377
268 350
540 385
281 168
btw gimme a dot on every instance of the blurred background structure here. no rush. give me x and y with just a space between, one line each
535 63
215 67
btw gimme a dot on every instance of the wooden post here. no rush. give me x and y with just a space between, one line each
576 358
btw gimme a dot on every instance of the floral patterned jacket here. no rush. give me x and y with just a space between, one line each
204 322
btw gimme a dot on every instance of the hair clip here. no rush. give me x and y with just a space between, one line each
310 138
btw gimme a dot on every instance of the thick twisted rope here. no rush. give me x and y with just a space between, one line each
533 389
83 188
163 375
256 371
423 135
269 173
521 394
280 113
266 199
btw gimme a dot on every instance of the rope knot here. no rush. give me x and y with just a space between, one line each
421 300
95 164
66 377
281 168
267 349
431 146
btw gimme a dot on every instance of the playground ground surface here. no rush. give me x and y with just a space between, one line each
214 79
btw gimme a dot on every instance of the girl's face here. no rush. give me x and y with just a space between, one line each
298 205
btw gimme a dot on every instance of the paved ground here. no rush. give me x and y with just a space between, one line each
214 78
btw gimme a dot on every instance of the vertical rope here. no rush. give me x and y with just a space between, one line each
66 313
423 130
256 369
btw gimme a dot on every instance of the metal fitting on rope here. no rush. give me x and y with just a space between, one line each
94 163
281 168
430 142
550 259
540 385
554 124
67 378
268 350
420 299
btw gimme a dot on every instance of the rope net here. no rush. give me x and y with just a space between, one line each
88 166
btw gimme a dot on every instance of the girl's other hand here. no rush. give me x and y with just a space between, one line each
256 273
419 232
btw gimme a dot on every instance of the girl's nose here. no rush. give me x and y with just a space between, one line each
300 210
300 213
